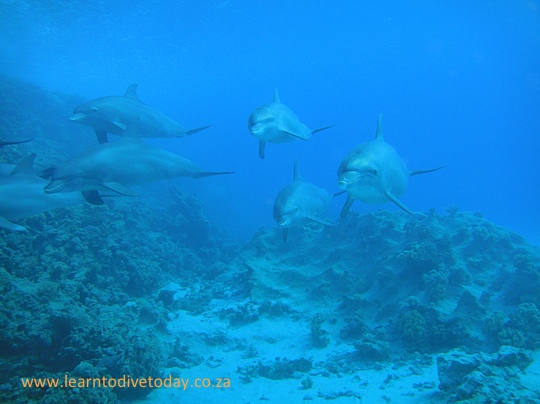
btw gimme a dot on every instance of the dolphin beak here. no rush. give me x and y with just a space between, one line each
348 178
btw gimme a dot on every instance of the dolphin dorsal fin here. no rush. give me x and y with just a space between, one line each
379 135
131 92
276 96
26 166
296 174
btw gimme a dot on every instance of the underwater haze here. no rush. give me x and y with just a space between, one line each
432 297
458 85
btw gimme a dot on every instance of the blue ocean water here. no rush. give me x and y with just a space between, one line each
458 85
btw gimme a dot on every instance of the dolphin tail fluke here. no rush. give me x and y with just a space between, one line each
192 131
321 129
262 145
6 224
101 136
416 172
10 142
398 202
211 173
346 207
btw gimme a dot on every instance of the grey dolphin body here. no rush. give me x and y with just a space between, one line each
117 165
113 114
277 123
22 195
299 202
373 172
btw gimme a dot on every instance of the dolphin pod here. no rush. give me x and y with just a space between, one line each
112 114
277 123
373 172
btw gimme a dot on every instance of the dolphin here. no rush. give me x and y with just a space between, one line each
115 166
299 202
277 123
373 172
22 195
112 115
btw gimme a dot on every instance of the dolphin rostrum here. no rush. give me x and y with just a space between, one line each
299 202
373 172
115 166
277 123
112 115
22 195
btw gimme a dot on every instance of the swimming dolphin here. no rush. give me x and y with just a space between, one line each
373 172
22 195
112 115
116 166
277 123
299 202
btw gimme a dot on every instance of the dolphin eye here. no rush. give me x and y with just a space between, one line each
94 109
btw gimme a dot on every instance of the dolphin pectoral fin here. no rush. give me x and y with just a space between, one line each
210 173
296 135
192 131
8 142
6 224
398 202
338 194
285 234
119 189
92 197
120 125
416 172
262 144
326 222
321 129
101 136
346 207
